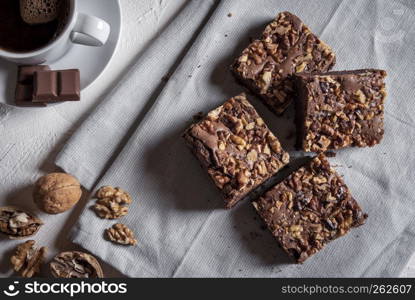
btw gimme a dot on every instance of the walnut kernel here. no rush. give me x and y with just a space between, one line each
112 203
121 234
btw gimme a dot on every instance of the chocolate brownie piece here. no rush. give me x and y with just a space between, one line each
340 109
287 46
236 148
310 208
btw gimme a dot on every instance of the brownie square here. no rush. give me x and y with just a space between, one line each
236 148
287 46
308 209
340 109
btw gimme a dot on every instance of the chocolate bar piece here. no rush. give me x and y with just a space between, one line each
55 86
340 109
309 209
287 46
24 86
236 148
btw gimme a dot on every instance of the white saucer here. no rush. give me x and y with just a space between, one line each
91 61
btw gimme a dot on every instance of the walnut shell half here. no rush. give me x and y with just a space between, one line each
17 223
75 264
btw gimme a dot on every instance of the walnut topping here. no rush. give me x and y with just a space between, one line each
360 96
27 259
259 121
75 264
243 59
285 158
121 234
267 77
112 203
238 140
243 178
222 146
301 67
252 156
17 223
250 126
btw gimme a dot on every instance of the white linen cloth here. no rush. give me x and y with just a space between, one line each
177 214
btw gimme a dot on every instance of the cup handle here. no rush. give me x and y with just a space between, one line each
90 31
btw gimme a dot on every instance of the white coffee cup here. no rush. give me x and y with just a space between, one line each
79 29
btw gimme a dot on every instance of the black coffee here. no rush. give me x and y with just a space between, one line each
18 36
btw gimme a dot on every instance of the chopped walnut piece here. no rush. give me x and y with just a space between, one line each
112 203
121 234
18 224
27 259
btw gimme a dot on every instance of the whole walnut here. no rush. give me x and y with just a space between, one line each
56 192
